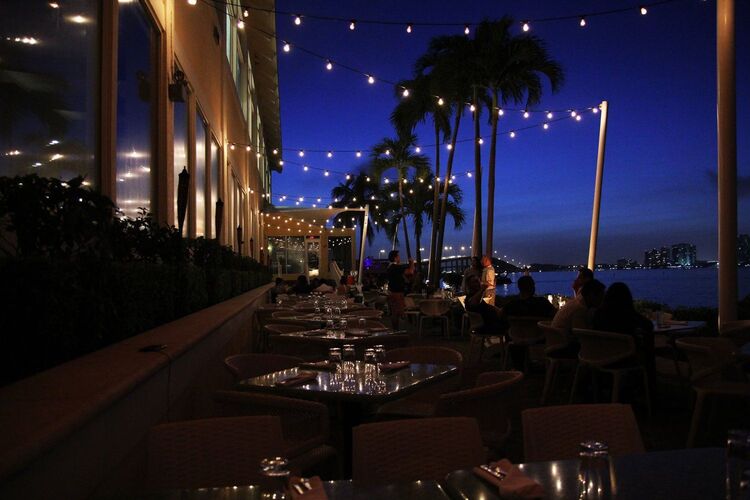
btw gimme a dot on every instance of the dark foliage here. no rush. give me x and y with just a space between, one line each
74 277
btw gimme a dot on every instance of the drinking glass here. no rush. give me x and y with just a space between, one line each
593 471
738 465
343 324
334 356
276 469
337 311
380 353
329 311
362 323
348 355
329 327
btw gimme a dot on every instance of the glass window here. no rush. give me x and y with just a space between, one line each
49 86
135 93
180 147
214 185
200 175
287 254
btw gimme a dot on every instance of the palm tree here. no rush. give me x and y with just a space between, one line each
356 192
398 154
445 61
420 204
511 69
410 111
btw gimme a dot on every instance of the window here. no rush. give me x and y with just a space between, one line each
214 184
49 83
287 254
180 140
136 76
199 178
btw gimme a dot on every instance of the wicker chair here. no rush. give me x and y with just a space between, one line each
608 352
494 402
249 365
422 402
410 450
431 309
523 333
212 452
305 424
715 373
558 351
555 432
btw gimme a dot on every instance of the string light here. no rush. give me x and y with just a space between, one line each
408 28
301 153
405 93
248 149
545 126
275 151
370 79
305 168
526 114
417 150
329 65
287 47
500 112
644 10
525 26
358 154
352 24
466 29
190 2
512 134
440 101
240 24
549 115
329 154
297 20
245 13
582 22
472 108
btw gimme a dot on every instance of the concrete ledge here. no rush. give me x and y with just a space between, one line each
63 431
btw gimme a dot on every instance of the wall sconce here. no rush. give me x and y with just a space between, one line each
178 89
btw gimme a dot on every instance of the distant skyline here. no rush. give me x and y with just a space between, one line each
656 71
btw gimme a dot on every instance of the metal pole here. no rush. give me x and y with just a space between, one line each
362 245
598 185
726 128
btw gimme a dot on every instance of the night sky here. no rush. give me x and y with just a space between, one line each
657 71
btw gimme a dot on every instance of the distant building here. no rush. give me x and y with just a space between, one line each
683 255
626 264
743 249
658 257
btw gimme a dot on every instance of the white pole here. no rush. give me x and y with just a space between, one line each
598 185
726 128
362 245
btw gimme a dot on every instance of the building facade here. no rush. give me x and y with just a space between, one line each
129 93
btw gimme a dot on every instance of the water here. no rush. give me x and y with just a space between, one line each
673 287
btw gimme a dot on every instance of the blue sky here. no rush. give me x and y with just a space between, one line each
658 73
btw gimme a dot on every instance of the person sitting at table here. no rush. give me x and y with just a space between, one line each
343 287
584 276
279 288
579 312
488 280
396 285
301 286
617 313
493 322
474 269
528 304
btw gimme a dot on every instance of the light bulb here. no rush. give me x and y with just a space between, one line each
287 47
512 135
545 126
466 30
525 26
644 11
573 114
549 115
386 181
417 149
246 13
370 79
387 152
578 118
297 20
329 154
526 114
582 22
190 2
275 151
468 174
240 24
480 141
440 101
305 168
472 108
358 154
301 153
248 149
348 177
352 24
231 146
329 65
405 93
326 173
595 110
500 112
408 28
367 180
449 146
281 163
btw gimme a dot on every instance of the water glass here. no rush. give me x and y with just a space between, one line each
348 356
370 358
362 323
337 311
344 304
329 311
277 470
334 356
380 353
343 324
738 465
329 327
593 472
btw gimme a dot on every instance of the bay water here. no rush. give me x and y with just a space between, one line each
673 287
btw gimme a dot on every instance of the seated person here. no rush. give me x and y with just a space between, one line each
343 287
527 304
279 288
579 312
617 313
301 286
493 322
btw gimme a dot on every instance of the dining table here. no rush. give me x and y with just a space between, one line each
697 473
354 388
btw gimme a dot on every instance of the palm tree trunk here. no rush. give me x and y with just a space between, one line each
403 216
494 118
435 205
476 241
444 202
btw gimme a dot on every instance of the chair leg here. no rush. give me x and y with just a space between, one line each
548 379
575 384
697 411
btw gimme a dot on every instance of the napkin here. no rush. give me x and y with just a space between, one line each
300 379
322 366
515 485
394 366
317 492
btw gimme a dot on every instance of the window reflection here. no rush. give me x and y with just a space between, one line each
287 254
48 88
135 79
180 147
214 185
200 175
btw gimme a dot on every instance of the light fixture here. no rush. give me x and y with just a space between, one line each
582 22
500 112
405 93
440 101
525 26
644 11
297 20
512 135
408 28
240 24
329 154
549 115
287 47
526 114
466 29
329 65
370 79
352 24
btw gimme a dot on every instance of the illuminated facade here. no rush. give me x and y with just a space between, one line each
128 93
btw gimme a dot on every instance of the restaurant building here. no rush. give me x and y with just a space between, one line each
129 93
